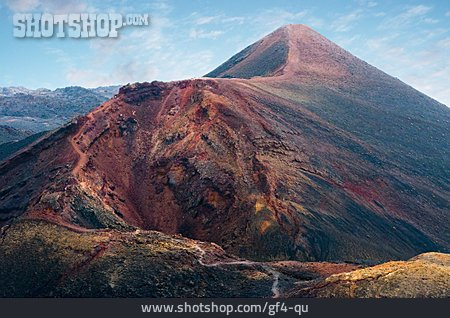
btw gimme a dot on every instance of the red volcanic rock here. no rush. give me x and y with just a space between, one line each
308 153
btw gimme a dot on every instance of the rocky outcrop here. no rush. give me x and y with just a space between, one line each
424 276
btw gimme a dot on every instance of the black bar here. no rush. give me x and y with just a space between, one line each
124 308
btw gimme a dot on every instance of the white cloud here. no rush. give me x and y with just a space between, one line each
407 17
380 14
121 74
234 20
205 20
161 7
201 34
182 65
67 6
60 56
430 21
366 3
346 22
314 22
434 32
445 43
347 41
447 14
215 19
416 11
197 19
22 5
51 6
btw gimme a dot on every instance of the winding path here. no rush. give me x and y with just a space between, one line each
82 156
275 274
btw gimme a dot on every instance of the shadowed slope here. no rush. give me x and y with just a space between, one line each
266 57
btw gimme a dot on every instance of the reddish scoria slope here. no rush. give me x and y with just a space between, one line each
321 159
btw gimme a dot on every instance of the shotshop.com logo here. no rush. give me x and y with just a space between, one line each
77 25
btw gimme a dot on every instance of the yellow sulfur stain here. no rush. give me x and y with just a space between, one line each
299 208
260 204
256 275
264 226
214 199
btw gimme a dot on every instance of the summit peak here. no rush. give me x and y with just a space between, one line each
290 50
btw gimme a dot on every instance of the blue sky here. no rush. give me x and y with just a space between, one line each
407 39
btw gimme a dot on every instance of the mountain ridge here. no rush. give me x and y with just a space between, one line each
44 109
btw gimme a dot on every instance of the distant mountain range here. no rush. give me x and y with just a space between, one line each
24 111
